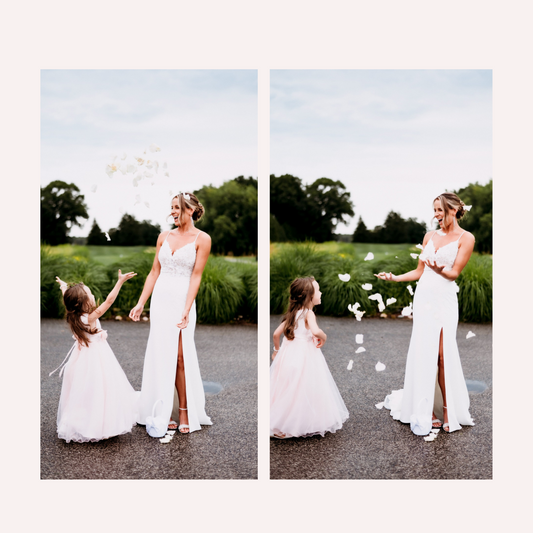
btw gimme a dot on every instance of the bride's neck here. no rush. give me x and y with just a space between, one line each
185 228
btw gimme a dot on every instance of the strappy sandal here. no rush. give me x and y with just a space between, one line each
172 425
183 426
436 421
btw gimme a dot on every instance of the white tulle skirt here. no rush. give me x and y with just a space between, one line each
97 400
304 399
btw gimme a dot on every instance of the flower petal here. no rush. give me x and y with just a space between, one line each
93 188
467 207
124 155
350 365
410 289
154 148
359 338
419 246
391 300
369 256
470 334
146 204
344 277
380 367
367 286
380 405
107 236
407 311
360 350
414 256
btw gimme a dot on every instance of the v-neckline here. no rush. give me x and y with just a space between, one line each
444 245
177 249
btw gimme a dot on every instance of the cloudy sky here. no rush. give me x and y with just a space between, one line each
395 138
204 121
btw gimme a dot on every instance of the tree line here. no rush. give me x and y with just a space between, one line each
230 218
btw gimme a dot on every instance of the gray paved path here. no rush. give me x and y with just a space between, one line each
371 445
225 450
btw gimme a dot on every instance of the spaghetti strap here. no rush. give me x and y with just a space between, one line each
431 238
460 236
167 236
197 236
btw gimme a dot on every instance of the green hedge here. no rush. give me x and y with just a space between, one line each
301 260
228 290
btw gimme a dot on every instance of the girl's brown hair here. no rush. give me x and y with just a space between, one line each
191 203
449 200
77 303
301 296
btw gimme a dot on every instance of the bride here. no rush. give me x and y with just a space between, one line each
170 362
434 384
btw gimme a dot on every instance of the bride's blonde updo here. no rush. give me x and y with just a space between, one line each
449 200
188 200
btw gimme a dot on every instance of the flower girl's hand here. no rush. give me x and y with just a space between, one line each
386 276
318 342
124 277
274 353
135 313
184 321
62 285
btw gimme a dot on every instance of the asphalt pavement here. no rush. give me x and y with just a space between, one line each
371 445
226 450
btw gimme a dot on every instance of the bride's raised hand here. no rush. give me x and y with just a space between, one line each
436 268
184 321
386 276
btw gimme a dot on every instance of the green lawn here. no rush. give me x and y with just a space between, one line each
380 251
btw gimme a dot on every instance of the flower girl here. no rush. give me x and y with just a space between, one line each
304 399
97 400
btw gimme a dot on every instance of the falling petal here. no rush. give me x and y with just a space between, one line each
137 199
369 256
407 311
350 365
93 188
146 204
419 246
414 256
170 193
152 182
123 169
430 438
140 160
377 296
131 168
149 164
380 405
154 148
147 174
156 166
360 350
410 289
381 307
165 440
359 338
359 315
111 169
390 300
186 196
380 367
467 207
435 430
171 432
167 174
107 236
124 155
470 334
342 277
367 286
165 165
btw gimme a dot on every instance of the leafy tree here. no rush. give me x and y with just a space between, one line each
308 212
131 232
361 233
61 208
231 215
96 235
479 219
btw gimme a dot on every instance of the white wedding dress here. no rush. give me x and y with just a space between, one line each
435 308
166 308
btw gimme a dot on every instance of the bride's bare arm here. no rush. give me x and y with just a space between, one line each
463 255
149 284
412 275
202 254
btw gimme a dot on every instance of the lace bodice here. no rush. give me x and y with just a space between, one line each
445 255
180 263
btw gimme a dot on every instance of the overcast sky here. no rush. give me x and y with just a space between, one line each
395 138
204 121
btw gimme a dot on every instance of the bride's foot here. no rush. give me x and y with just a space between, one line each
172 425
436 423
184 421
446 426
